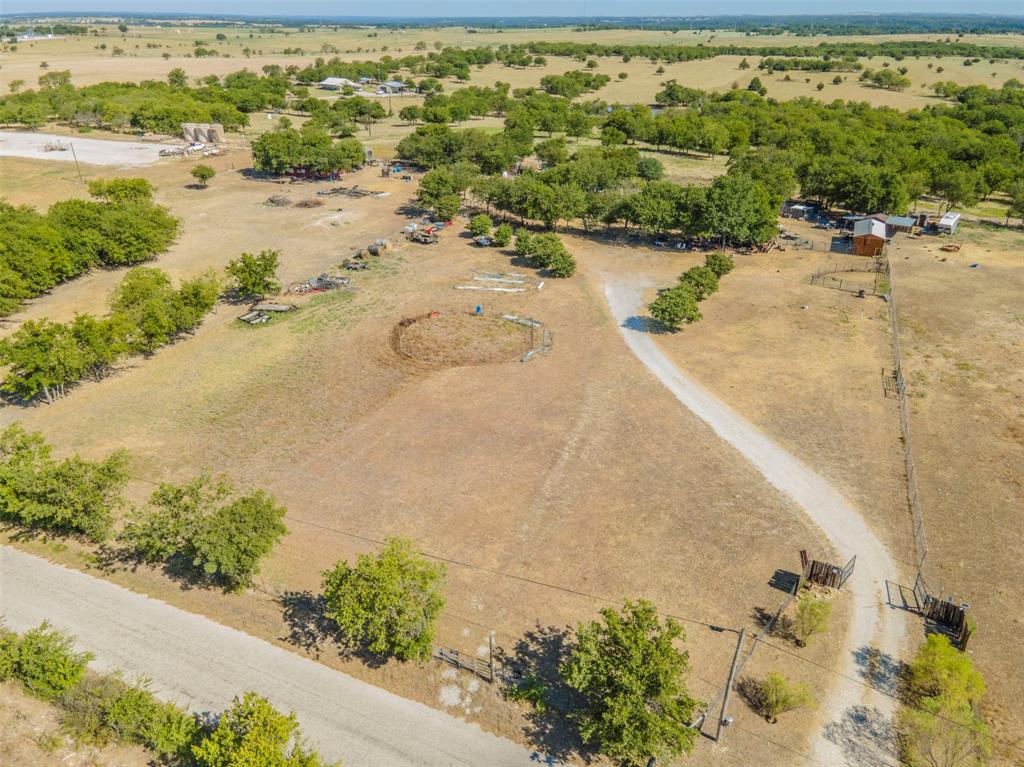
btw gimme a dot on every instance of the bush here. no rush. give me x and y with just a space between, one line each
447 207
480 226
812 616
720 263
702 279
776 695
47 665
203 174
675 306
105 707
8 654
503 235
252 733
389 602
531 689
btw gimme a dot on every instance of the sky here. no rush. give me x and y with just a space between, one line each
513 8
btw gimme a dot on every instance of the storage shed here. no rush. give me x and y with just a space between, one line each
899 224
868 237
949 222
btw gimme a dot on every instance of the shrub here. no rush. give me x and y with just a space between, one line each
812 616
252 733
47 665
675 306
503 235
480 225
525 243
389 602
702 279
203 174
720 263
447 207
8 654
776 695
531 689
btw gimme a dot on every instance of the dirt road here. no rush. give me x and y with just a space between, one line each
202 664
855 716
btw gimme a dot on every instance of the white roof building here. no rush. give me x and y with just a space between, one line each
869 226
336 83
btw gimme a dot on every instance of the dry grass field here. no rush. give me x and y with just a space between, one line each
579 469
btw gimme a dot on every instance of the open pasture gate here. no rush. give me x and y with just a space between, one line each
945 613
825 573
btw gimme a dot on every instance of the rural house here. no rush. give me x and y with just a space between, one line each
868 237
337 83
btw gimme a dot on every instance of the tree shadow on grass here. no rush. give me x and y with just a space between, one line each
536 659
310 629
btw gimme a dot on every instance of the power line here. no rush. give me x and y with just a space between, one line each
870 686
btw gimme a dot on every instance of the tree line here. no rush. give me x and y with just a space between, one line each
151 105
45 358
101 708
897 49
121 226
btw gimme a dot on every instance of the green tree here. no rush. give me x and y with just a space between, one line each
552 151
675 306
177 78
72 496
203 174
703 280
1016 205
55 80
632 679
650 169
812 616
389 602
503 235
234 539
941 725
447 207
121 189
481 225
255 276
410 114
744 64
719 263
252 733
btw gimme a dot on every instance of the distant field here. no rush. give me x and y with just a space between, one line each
88 64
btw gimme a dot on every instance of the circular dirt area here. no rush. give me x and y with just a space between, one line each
442 338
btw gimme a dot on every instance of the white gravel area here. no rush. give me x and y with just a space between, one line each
90 151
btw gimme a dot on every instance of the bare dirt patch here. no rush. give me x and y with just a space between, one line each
459 338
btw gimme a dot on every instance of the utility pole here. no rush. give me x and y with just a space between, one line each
728 685
70 144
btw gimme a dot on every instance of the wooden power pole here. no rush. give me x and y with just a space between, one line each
728 685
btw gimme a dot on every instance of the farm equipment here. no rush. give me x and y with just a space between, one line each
321 284
424 237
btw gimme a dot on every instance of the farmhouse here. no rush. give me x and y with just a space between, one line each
868 237
948 223
337 83
393 86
